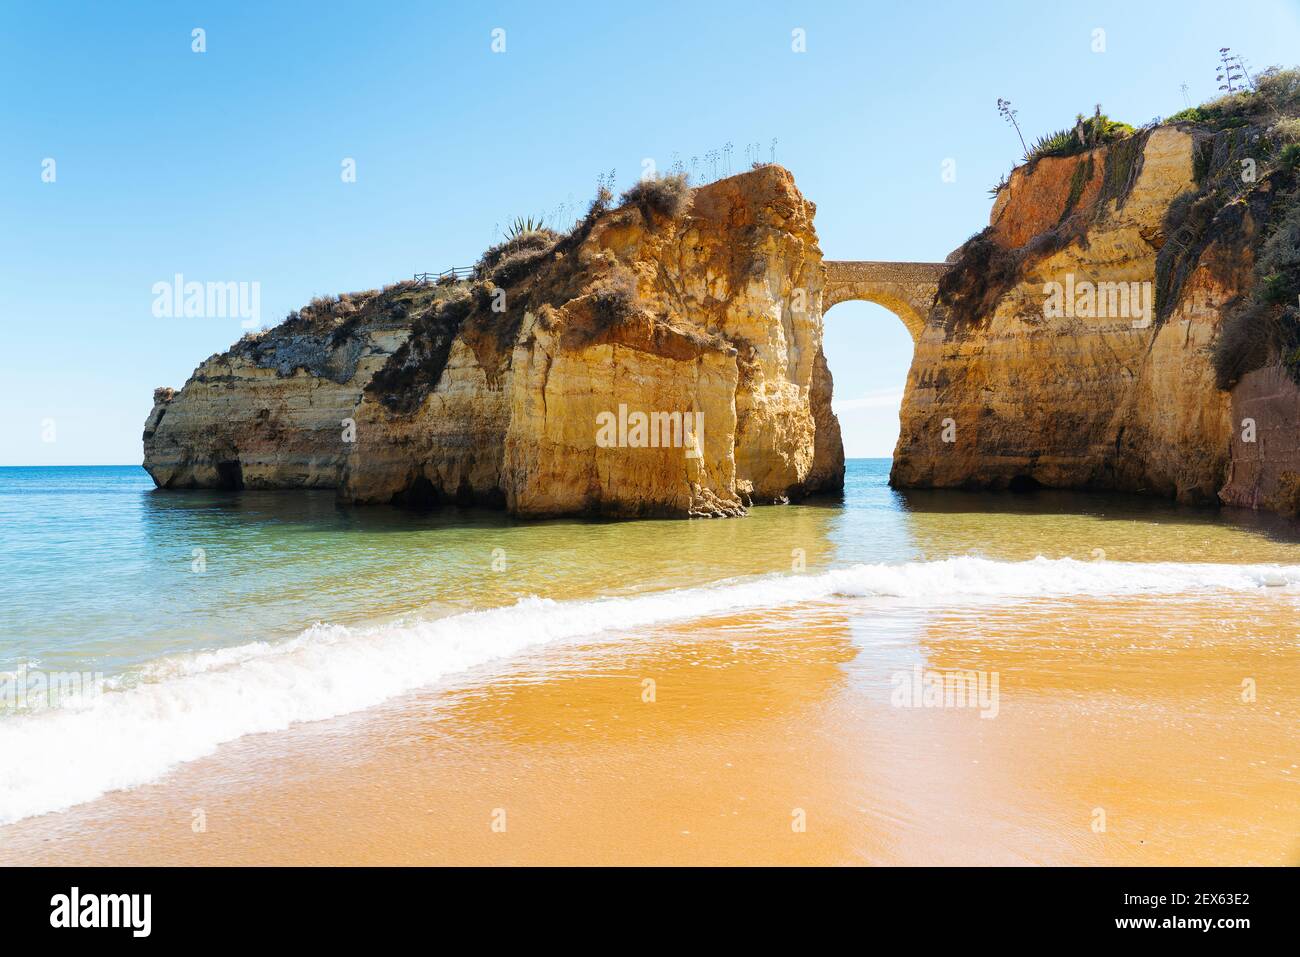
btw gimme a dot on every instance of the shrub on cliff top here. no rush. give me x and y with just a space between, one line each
667 195
516 256
528 243
1279 89
1285 133
518 264
1193 114
523 225
1276 91
322 305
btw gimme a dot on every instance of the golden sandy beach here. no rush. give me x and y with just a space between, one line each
1131 706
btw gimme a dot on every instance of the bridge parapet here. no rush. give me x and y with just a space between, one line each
906 289
865 270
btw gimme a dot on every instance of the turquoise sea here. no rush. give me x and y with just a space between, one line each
205 616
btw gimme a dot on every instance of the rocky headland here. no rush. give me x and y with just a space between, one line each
1128 320
664 358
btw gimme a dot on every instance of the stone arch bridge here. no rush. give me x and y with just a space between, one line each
905 289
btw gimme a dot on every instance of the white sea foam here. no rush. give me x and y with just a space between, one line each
182 708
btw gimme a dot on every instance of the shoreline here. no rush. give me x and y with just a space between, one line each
756 716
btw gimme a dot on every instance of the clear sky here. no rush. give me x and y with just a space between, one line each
226 165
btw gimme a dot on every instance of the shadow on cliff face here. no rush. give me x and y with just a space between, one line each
419 496
230 475
423 495
312 509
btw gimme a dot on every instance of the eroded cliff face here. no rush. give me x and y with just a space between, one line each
269 412
1265 468
645 364
1105 380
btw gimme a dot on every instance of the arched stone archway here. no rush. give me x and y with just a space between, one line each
905 289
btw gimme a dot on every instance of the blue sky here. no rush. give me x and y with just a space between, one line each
225 165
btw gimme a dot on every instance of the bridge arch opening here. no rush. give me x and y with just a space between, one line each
892 301
868 350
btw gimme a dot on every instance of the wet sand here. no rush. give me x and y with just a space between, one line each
1132 707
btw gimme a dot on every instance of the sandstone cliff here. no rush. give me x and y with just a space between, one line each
692 331
1078 341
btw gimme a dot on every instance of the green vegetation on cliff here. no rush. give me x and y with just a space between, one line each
1096 130
1245 161
1275 94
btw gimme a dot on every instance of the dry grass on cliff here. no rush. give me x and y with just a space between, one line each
508 262
582 229
667 196
514 260
982 274
1286 131
614 297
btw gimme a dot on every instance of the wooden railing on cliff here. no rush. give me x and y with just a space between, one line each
454 274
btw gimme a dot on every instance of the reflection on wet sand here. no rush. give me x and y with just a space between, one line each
1089 526
1176 718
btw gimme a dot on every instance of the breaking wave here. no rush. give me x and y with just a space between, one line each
181 708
